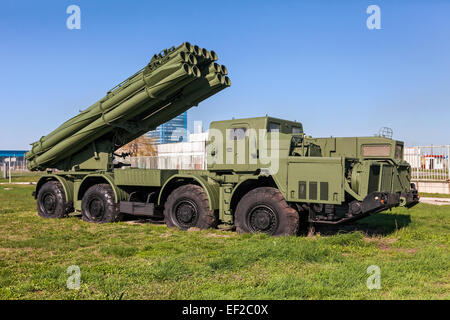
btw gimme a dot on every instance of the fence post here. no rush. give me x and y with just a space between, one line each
448 161
9 166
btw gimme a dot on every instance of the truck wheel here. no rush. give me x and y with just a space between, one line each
264 210
51 201
187 207
98 204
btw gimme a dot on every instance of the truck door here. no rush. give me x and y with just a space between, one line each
237 147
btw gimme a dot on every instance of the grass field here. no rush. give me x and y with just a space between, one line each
147 261
434 195
23 177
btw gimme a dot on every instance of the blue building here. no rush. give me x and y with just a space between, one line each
172 131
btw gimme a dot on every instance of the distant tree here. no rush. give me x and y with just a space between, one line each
142 146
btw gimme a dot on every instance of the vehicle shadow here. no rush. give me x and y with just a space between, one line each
380 224
129 219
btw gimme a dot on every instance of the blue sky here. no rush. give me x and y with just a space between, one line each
312 61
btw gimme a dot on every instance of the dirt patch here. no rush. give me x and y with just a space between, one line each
138 222
2 249
441 284
216 235
8 251
346 254
17 237
143 221
412 250
386 245
165 235
237 277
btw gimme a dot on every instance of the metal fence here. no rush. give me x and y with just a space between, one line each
18 167
185 162
429 163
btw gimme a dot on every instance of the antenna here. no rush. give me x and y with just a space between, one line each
385 132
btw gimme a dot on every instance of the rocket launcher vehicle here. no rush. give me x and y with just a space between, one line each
174 81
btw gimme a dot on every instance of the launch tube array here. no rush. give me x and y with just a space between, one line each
174 81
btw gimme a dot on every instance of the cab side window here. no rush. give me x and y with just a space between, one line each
296 130
237 133
274 127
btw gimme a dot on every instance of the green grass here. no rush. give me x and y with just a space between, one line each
22 177
434 195
147 261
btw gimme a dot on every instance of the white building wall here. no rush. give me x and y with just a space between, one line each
189 155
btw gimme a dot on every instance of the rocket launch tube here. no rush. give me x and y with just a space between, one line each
171 83
125 90
83 119
105 123
197 92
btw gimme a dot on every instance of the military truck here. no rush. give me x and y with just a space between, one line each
264 175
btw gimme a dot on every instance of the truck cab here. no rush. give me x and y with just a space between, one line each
341 179
245 145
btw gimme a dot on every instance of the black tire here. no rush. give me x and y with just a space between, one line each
264 210
51 201
98 205
188 207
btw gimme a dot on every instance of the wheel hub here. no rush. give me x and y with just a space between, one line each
186 213
96 208
49 202
262 219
